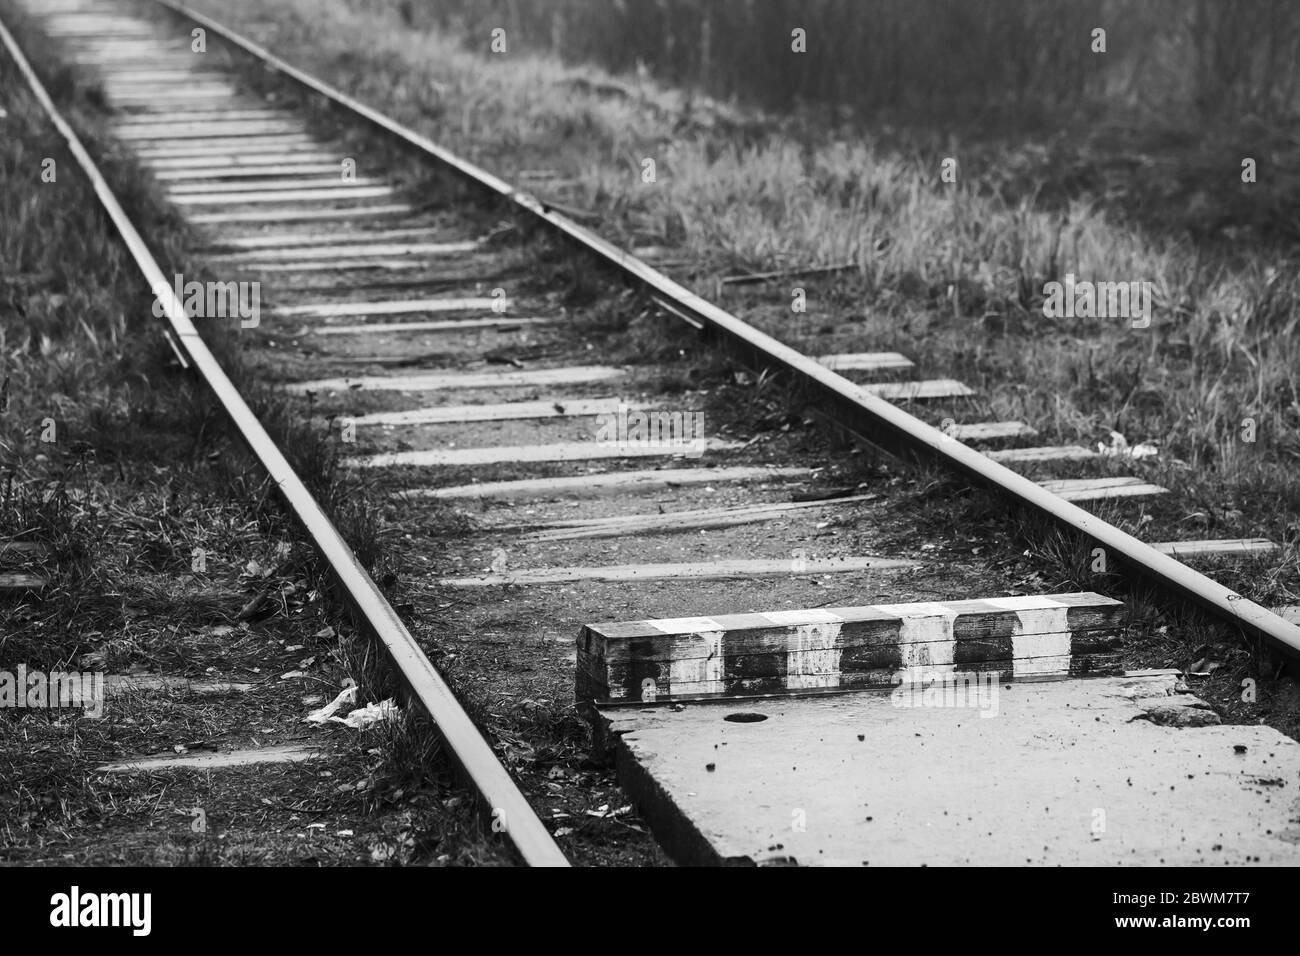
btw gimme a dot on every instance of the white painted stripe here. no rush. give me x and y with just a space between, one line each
1028 605
686 625
799 618
813 659
1035 655
433 381
325 310
703 665
1040 637
704 670
925 638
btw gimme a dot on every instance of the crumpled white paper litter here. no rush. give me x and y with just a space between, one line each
369 715
322 714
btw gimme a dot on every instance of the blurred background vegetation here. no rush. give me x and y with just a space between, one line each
983 61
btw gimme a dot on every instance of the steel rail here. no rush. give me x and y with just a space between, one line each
469 749
866 415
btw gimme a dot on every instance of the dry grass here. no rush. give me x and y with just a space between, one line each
142 476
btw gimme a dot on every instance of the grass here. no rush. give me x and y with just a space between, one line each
168 553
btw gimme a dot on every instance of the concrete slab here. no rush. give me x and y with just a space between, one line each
1079 772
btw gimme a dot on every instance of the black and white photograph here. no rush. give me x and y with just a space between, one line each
649 435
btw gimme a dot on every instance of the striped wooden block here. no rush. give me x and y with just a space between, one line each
793 652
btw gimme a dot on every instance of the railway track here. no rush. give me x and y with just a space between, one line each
524 398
